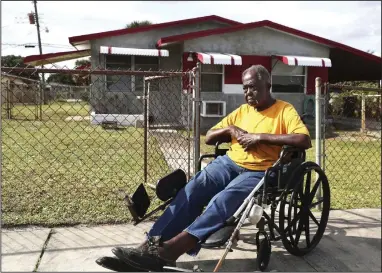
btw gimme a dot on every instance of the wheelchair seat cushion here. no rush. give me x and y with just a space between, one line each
168 186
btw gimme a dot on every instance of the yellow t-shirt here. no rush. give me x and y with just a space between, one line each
280 118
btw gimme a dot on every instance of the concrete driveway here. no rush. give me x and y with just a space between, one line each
352 242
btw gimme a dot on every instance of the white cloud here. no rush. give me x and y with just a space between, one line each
357 24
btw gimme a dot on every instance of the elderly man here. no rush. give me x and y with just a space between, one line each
256 130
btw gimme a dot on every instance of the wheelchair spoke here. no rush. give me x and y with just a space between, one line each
314 190
298 233
293 222
307 232
316 203
307 185
314 218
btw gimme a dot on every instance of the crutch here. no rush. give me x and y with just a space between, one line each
247 205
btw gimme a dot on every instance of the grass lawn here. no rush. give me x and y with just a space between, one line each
353 168
57 172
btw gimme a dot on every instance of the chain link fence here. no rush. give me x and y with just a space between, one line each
352 145
70 153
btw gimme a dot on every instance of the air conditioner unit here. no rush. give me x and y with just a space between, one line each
213 109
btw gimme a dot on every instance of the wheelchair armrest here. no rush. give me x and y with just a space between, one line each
219 151
290 148
287 150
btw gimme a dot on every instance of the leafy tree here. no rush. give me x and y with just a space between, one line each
82 62
82 79
17 61
139 24
61 78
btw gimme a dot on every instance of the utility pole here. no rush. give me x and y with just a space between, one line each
42 87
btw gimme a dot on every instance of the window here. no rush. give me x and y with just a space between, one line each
118 82
129 83
211 78
287 79
213 109
287 84
143 63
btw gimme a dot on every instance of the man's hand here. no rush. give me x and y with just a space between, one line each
236 132
249 141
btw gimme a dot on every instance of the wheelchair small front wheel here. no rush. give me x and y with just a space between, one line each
263 253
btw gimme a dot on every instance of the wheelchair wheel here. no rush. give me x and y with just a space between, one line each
264 249
298 214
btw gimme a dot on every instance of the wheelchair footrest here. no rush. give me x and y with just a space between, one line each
138 203
220 237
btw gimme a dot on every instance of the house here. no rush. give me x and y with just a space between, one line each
224 48
18 90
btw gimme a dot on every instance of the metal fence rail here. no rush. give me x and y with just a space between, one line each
70 153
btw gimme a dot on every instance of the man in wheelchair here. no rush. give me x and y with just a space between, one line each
257 130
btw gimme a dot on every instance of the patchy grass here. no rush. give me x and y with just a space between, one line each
56 110
60 173
353 168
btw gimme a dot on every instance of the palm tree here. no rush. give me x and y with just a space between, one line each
139 24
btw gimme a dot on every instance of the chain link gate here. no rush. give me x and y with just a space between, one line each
69 161
168 123
351 141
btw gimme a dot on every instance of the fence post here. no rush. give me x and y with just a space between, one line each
318 130
363 114
8 102
197 118
324 113
190 87
145 127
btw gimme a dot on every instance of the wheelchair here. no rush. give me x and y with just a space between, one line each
288 185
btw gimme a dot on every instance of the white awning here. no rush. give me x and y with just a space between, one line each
305 61
134 51
219 58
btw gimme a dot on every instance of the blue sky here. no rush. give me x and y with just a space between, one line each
357 24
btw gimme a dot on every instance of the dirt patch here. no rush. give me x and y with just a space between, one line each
77 118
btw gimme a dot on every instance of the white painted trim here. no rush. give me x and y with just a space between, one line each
204 102
134 51
233 89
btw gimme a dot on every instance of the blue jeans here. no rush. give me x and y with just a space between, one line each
222 186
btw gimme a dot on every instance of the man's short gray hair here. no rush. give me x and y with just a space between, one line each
262 74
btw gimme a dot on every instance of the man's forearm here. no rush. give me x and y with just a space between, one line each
222 135
297 140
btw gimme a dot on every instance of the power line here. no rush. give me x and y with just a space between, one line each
43 44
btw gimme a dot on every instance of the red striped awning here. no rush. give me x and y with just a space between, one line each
219 58
134 51
305 61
